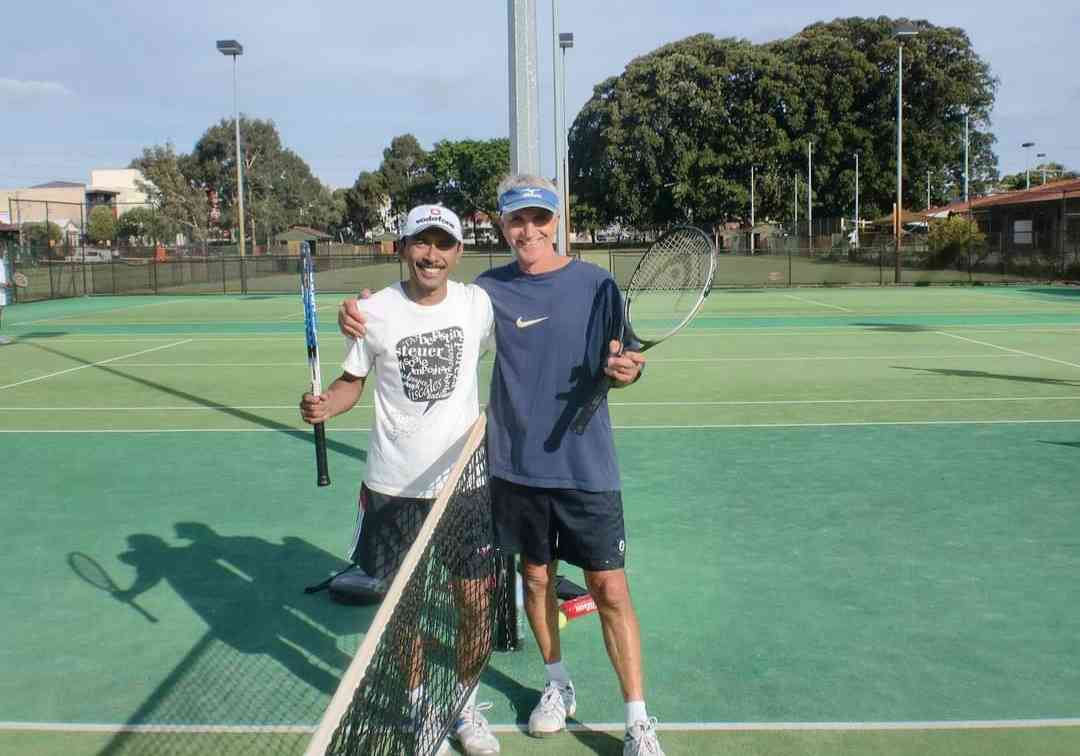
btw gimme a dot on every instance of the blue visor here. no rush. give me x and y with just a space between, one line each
528 196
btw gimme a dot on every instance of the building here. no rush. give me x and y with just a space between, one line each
1043 218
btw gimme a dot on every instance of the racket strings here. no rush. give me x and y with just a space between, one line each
669 284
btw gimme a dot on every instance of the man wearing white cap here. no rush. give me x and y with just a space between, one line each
423 342
556 494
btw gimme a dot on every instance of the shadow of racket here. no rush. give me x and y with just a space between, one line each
93 573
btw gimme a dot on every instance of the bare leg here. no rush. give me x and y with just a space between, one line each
622 635
542 609
474 641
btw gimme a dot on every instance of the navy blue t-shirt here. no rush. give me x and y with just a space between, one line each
551 334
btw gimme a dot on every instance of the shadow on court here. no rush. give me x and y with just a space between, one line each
269 659
984 374
1072 444
265 422
893 327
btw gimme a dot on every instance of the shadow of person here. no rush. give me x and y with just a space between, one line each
249 593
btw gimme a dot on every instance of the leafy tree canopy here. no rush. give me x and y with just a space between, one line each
674 137
101 226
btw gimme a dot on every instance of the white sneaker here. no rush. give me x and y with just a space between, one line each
556 704
473 733
640 739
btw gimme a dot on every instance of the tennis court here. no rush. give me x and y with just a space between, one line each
853 514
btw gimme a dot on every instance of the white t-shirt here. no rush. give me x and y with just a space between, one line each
426 394
3 280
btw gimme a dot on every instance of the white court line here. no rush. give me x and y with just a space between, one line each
847 358
729 426
719 403
192 408
819 304
653 360
1008 349
299 314
968 724
94 364
249 364
93 313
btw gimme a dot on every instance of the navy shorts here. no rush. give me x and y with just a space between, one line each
387 526
584 528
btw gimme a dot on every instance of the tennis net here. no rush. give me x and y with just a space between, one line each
433 634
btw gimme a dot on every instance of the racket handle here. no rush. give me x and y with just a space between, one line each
584 415
320 454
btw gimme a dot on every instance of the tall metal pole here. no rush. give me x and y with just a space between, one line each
810 195
967 147
239 160
557 120
857 227
928 190
751 210
898 222
1027 170
524 137
566 40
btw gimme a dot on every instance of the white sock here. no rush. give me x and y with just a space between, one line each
635 712
416 697
462 690
557 673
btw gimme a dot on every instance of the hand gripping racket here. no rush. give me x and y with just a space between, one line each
311 328
666 291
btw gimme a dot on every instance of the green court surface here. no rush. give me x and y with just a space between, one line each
853 515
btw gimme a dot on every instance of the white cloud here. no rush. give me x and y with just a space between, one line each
17 90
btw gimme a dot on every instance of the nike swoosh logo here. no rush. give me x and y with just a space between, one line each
526 323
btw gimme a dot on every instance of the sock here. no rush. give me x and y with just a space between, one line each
416 698
635 712
462 690
557 673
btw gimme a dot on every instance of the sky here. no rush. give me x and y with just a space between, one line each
89 85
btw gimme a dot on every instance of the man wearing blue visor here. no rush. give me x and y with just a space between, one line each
556 494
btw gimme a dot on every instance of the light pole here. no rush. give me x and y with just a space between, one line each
928 190
557 120
856 237
234 49
967 142
1027 170
810 196
566 41
1042 155
903 31
752 176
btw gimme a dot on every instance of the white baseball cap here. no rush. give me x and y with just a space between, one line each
428 216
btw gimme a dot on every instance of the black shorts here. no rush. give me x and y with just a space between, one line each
584 528
386 527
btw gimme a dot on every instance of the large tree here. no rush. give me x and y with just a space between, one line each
405 176
674 137
279 188
180 198
466 173
365 203
101 225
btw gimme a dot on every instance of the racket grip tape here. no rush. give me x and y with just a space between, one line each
585 414
320 455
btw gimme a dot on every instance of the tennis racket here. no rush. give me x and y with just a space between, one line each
20 280
93 573
666 291
311 328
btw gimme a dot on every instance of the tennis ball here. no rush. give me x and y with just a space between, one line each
562 620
